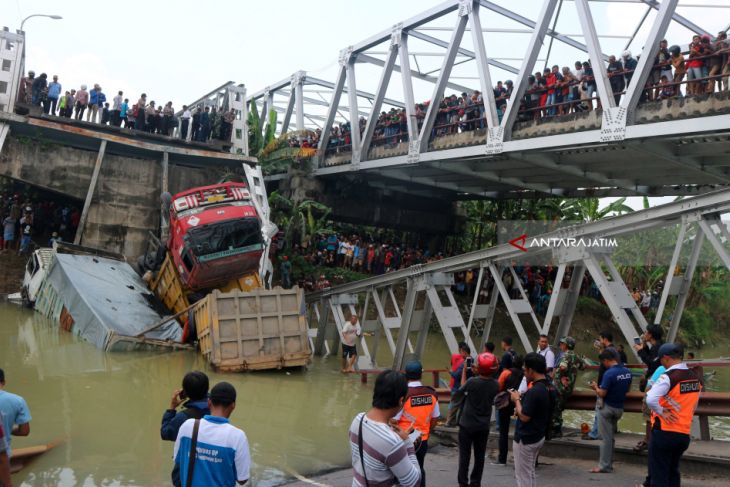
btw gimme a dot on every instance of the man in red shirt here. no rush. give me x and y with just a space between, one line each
5 479
694 66
457 364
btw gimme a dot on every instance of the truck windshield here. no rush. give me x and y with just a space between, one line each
224 236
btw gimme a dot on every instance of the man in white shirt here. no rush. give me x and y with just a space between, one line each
543 348
185 122
117 109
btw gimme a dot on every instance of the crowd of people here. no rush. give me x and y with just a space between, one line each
531 392
557 91
28 223
91 105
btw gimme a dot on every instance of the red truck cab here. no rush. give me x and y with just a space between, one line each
215 235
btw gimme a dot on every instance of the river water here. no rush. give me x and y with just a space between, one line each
105 409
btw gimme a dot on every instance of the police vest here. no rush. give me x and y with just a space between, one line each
419 405
682 398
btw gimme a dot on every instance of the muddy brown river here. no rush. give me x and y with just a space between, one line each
105 409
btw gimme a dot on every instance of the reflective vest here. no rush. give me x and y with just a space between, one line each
682 398
418 410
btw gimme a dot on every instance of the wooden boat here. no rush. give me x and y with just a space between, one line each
22 456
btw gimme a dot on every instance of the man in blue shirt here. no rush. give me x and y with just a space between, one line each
54 91
14 413
221 457
615 383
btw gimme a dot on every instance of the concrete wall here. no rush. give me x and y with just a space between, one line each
126 204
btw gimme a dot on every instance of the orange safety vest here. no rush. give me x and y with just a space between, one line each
682 398
419 405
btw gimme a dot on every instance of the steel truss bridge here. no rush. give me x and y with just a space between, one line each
621 152
697 220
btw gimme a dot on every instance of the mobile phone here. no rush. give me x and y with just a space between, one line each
182 395
637 340
469 361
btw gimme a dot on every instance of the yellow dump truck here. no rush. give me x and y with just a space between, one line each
210 269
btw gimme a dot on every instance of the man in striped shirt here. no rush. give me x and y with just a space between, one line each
382 453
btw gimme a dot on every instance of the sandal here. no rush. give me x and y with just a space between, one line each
599 470
641 446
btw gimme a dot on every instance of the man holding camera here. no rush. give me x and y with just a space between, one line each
195 391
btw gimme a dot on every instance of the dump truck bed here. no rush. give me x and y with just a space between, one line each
255 330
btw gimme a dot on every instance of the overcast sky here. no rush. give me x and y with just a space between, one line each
179 50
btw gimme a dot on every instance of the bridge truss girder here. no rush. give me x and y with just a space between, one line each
698 219
468 19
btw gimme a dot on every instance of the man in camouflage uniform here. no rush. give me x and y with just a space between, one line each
566 372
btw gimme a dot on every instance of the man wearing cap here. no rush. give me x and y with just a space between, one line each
672 400
222 457
421 411
478 396
566 373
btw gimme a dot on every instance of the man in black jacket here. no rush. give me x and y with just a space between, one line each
195 390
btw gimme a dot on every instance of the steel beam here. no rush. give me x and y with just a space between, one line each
464 52
474 301
406 319
679 19
605 93
299 102
554 299
722 252
354 117
619 315
408 96
492 176
485 78
497 276
571 300
533 50
646 62
330 118
90 193
529 23
367 136
491 308
685 286
438 92
288 113
670 272
545 161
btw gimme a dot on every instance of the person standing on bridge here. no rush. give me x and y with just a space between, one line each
673 400
421 411
185 122
54 92
139 112
614 385
116 115
81 102
478 395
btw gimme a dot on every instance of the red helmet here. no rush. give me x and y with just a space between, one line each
487 363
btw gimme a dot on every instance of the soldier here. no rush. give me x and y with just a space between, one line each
565 375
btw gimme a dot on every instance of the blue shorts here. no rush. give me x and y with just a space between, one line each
9 236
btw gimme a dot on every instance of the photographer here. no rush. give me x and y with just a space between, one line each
195 390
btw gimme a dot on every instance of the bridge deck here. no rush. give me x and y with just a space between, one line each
84 135
676 147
